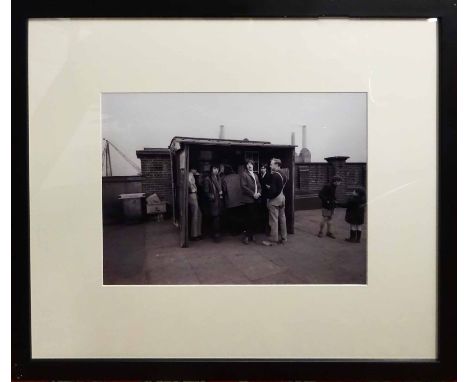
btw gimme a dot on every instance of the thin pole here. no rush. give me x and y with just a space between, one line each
109 172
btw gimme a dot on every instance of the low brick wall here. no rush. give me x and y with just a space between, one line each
156 171
356 175
310 177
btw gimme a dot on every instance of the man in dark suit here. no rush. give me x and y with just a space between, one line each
251 192
214 199
264 177
232 193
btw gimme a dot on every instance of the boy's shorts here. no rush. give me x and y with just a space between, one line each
327 213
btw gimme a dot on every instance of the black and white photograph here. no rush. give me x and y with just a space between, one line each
234 191
234 188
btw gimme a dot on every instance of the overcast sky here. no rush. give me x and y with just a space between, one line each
336 122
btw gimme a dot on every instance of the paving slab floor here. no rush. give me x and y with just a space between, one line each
149 254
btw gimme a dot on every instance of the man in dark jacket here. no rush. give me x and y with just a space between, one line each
232 193
328 198
251 192
264 178
276 204
214 197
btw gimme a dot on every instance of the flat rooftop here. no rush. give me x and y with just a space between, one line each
149 254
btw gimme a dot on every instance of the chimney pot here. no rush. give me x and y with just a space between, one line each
221 132
304 136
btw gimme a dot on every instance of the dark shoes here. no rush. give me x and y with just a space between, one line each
354 237
358 237
320 234
197 238
246 239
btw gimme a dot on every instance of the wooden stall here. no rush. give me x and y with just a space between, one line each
201 153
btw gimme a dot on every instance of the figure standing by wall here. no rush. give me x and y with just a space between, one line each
195 211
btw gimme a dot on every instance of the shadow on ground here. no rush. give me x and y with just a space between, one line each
149 254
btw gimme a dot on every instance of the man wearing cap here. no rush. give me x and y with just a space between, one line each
196 225
328 197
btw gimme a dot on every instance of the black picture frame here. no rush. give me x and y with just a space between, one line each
443 368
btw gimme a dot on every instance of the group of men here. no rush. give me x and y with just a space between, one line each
250 199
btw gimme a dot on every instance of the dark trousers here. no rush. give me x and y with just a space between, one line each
250 219
233 222
216 226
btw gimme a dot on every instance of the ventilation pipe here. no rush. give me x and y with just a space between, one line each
304 136
221 132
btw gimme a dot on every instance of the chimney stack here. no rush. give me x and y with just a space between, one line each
221 132
304 136
293 138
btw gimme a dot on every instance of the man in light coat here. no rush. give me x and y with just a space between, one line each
276 204
195 211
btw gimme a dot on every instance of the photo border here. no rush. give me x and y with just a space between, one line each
444 367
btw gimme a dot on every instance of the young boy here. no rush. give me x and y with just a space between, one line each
328 198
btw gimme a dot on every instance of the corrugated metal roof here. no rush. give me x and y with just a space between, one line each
224 142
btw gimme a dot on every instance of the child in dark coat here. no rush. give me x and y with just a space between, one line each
355 211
